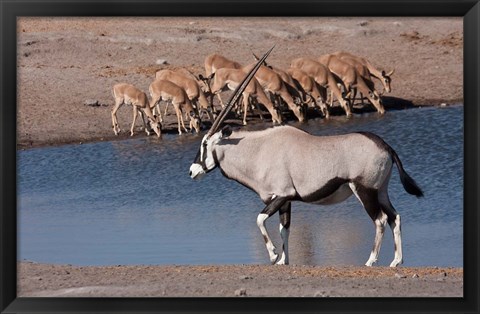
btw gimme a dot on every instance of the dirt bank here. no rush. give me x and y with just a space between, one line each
46 280
65 62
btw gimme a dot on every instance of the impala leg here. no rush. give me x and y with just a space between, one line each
285 215
221 101
245 107
256 106
354 95
155 105
135 113
145 125
370 201
166 108
118 104
275 204
179 118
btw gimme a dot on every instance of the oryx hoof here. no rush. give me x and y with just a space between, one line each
282 261
370 263
273 259
396 262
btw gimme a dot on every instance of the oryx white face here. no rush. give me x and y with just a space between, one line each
205 161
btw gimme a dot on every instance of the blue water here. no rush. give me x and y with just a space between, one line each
133 202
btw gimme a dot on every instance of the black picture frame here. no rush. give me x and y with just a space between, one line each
10 10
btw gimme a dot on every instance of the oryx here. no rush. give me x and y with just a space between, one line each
284 164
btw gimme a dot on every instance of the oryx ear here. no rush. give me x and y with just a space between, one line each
226 131
211 76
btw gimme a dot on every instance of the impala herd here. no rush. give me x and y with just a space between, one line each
304 84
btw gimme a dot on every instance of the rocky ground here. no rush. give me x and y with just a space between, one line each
237 280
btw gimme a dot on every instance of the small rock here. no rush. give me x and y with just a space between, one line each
246 277
161 61
240 292
320 294
192 23
443 104
91 102
397 23
363 23
400 276
415 276
127 48
444 274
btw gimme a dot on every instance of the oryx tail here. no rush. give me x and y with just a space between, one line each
407 181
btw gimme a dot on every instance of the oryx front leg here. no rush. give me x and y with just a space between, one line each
275 204
285 214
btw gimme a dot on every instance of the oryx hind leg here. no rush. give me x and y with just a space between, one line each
275 204
285 214
395 224
370 201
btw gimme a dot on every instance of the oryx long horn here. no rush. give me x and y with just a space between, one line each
238 91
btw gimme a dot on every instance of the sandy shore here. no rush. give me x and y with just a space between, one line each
47 280
64 63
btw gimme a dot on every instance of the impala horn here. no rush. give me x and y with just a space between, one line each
236 95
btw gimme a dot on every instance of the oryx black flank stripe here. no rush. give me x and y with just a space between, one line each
328 189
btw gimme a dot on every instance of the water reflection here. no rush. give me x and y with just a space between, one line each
132 202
